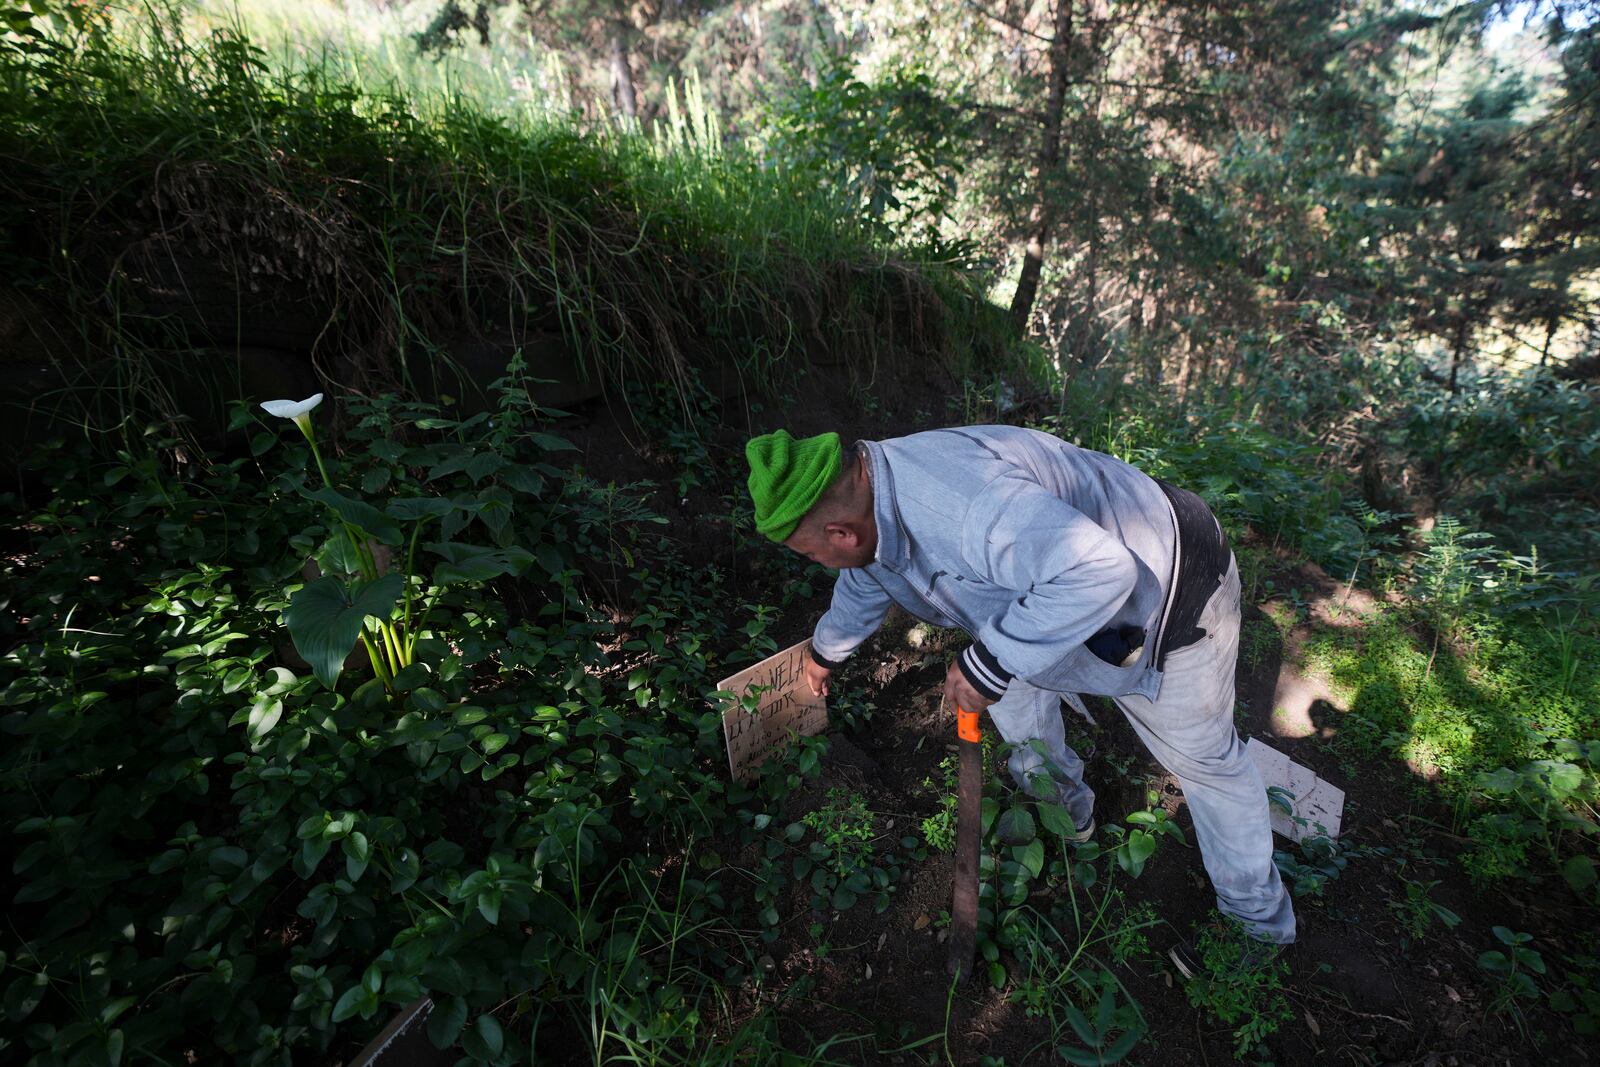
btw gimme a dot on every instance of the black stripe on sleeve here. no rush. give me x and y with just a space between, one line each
983 672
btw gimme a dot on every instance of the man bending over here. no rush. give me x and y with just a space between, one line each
1072 572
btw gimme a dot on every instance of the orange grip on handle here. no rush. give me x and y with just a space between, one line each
967 725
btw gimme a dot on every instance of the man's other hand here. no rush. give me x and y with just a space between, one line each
958 692
816 675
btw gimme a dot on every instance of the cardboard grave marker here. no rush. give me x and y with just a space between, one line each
1318 805
786 709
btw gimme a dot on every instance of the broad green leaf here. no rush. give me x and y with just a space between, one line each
413 676
494 509
1055 819
1564 778
325 618
357 854
490 1034
473 563
446 1020
412 508
489 906
338 556
360 514
264 715
406 870
1031 856
551 443
114 1008
482 465
1503 780
350 1003
1579 873
1016 826
1138 848
228 859
550 558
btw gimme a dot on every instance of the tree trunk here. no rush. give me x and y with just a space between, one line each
1456 351
622 94
1094 338
1042 218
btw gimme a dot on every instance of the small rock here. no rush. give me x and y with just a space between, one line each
868 977
1450 992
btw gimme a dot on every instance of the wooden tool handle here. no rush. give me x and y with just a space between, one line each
969 825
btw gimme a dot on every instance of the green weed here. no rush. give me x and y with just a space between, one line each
1242 992
1514 969
939 829
1419 911
842 860
1578 994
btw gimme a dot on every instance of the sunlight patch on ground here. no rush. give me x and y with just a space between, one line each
1292 703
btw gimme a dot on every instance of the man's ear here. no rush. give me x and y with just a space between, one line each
842 534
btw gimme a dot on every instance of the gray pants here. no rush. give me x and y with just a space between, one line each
1189 729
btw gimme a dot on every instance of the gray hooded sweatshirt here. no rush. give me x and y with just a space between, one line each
1031 545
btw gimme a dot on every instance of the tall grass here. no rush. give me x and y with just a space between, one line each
374 47
147 162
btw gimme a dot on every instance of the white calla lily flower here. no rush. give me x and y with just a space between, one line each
292 409
299 411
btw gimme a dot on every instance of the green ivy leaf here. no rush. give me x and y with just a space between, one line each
325 618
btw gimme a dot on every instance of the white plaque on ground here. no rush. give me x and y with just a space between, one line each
1318 805
785 709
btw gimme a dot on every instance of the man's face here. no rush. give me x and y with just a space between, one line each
836 545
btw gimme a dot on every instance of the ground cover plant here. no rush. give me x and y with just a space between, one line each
276 851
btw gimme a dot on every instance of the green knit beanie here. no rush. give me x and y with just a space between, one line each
787 477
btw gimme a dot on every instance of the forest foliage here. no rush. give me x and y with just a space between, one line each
1332 265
